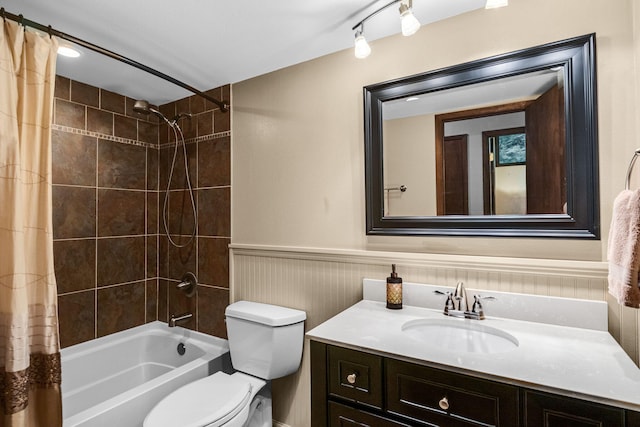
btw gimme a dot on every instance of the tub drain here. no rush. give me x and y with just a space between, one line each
181 349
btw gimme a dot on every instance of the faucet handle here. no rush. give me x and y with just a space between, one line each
477 305
448 305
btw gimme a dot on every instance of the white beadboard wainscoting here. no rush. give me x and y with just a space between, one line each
324 282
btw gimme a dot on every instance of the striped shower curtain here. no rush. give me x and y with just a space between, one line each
29 344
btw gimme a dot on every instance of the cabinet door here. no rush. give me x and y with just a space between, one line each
345 416
447 399
545 410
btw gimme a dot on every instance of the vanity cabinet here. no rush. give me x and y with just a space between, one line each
353 388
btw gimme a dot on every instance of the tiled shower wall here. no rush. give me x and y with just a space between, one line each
207 134
106 196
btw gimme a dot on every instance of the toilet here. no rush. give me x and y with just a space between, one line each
265 342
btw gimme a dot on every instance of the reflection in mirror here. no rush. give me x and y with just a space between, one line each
501 146
490 145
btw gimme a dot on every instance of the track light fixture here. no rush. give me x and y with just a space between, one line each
408 23
362 48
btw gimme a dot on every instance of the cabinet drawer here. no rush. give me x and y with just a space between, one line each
355 376
345 416
546 410
445 398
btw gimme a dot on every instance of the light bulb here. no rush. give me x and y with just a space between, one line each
408 22
68 51
362 48
494 4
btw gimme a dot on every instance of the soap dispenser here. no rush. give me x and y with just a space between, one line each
394 290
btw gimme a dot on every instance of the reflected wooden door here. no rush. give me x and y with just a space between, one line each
456 185
546 169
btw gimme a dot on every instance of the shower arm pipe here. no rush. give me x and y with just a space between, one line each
224 106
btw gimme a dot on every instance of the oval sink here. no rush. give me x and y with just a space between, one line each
460 335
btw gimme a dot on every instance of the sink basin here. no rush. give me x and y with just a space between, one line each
460 335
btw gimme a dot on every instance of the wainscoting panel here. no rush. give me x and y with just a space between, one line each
324 282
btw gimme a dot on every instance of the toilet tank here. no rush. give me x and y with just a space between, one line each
265 340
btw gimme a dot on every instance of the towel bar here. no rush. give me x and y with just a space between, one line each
630 168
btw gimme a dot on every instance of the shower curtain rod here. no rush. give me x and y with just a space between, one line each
224 106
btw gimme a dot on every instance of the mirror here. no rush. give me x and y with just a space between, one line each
503 146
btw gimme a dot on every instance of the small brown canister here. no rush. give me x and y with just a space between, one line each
394 290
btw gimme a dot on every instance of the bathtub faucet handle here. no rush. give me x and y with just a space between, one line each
174 319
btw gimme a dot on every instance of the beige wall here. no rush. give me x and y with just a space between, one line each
410 160
298 174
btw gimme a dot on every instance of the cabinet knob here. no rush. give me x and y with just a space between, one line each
444 403
351 378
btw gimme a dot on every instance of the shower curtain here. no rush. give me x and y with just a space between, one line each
29 344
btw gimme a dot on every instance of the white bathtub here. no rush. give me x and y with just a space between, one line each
117 379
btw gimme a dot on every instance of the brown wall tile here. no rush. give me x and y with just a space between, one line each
62 88
152 257
152 212
69 114
125 127
112 101
121 260
196 104
121 213
75 264
181 218
178 178
85 94
76 317
205 123
153 164
99 121
74 212
214 209
213 261
152 300
221 121
121 165
163 300
211 305
121 307
73 158
214 162
181 260
148 132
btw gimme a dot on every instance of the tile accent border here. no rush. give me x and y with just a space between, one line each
103 136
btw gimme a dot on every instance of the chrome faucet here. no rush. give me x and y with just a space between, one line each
457 304
174 319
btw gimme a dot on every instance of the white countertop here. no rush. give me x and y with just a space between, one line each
583 363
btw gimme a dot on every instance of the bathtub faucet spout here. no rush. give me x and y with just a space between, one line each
174 319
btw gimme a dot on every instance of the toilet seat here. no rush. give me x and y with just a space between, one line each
210 401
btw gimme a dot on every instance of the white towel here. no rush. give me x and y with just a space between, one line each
624 249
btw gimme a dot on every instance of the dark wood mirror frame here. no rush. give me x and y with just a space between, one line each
577 56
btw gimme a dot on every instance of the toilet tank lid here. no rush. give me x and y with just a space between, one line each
267 314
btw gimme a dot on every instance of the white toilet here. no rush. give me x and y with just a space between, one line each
265 343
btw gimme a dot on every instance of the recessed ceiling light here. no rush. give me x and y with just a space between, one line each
67 51
412 98
494 4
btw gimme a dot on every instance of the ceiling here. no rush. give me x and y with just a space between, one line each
207 44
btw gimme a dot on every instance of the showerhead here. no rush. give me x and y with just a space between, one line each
143 107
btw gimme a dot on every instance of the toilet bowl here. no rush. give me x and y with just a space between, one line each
265 342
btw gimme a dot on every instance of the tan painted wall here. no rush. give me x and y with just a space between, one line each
298 172
298 160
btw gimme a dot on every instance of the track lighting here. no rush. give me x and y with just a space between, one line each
362 48
408 23
494 4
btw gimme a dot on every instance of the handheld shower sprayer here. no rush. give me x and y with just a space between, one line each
143 107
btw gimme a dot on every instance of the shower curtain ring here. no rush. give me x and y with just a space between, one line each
50 30
21 17
4 18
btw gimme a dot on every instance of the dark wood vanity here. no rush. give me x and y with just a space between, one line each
356 388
